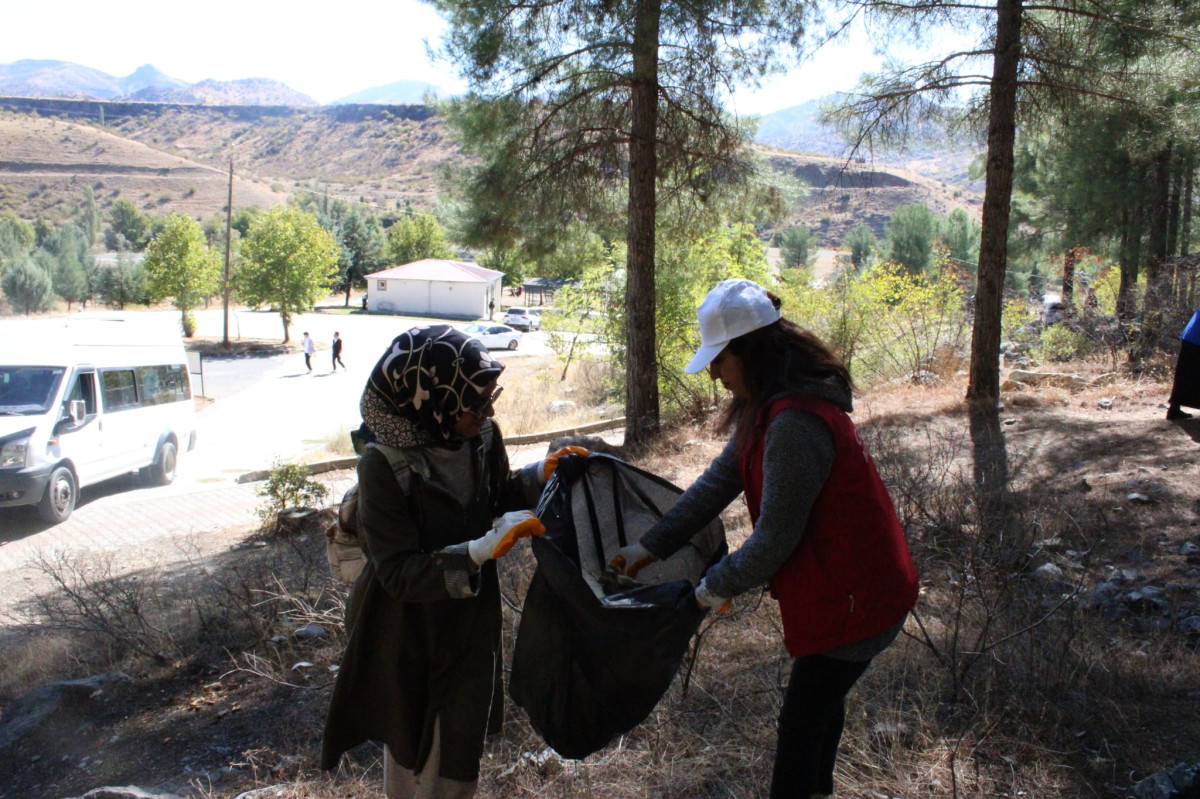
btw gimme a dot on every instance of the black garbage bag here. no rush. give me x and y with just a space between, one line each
592 658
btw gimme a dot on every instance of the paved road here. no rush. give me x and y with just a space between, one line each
264 409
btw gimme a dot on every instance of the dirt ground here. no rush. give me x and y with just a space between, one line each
216 722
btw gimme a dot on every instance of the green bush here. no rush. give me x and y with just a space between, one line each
289 485
1062 343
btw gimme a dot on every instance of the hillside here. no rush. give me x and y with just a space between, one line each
46 163
157 153
843 193
175 157
936 154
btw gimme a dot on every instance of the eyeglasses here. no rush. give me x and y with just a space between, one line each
480 408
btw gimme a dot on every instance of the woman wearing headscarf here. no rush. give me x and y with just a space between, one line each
422 668
826 540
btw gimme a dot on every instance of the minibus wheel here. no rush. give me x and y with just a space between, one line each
162 471
59 499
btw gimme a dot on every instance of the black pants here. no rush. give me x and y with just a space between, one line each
308 361
1186 389
810 725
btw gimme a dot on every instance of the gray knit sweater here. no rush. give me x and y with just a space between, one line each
798 457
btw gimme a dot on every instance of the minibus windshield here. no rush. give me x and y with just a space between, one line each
28 390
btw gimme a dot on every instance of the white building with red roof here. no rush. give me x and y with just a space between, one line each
434 287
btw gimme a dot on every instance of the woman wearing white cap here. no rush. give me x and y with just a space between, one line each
826 539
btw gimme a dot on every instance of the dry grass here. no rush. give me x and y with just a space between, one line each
1003 683
536 399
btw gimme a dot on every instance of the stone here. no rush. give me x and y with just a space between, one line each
1048 571
1053 379
25 713
309 631
125 792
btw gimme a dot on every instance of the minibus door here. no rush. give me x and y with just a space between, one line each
78 429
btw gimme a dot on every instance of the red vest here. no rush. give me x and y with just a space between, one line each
851 577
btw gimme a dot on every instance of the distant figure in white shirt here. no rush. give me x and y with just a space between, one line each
309 348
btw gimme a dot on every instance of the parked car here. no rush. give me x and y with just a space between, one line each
526 319
495 337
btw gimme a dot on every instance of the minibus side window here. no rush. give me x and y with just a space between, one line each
120 389
84 389
179 383
162 384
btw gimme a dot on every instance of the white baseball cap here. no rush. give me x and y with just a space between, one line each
733 308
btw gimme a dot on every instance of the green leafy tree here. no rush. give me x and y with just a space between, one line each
180 265
584 110
69 278
128 222
16 238
362 247
243 218
415 236
508 260
910 238
88 216
797 245
288 262
122 283
960 236
27 286
860 241
1039 56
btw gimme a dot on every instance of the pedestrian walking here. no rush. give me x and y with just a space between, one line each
1186 388
826 539
310 347
491 309
337 351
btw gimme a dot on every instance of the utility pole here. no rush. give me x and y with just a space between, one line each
228 243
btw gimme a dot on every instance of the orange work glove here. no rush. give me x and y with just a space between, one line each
551 461
510 528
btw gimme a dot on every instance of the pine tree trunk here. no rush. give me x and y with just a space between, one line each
1173 209
1070 258
1159 224
1185 225
641 372
984 385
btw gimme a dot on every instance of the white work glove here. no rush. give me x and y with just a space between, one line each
707 600
631 559
550 463
500 539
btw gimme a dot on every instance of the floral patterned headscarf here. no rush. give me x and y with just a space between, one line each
423 385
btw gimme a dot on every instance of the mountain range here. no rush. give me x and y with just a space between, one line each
45 78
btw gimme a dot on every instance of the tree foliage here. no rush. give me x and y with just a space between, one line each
797 245
27 285
860 241
122 283
289 262
1029 61
180 265
587 111
416 236
128 225
910 238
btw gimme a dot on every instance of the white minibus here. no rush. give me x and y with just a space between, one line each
86 398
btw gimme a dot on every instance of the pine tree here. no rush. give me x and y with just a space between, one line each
590 109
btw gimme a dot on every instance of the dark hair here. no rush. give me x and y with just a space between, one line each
776 359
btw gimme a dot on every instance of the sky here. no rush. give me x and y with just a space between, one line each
331 51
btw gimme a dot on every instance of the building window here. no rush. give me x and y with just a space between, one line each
382 285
